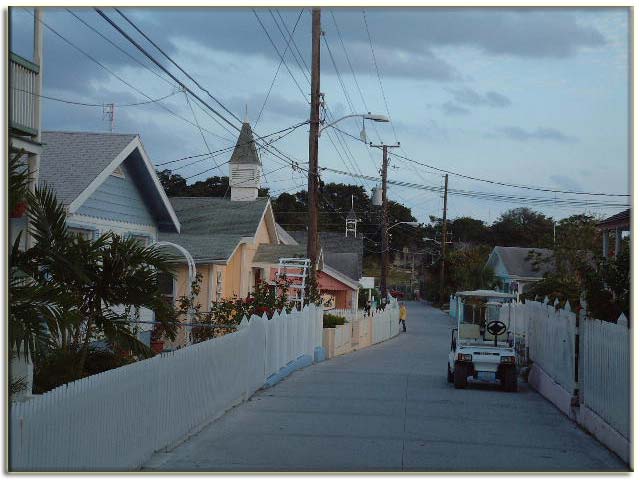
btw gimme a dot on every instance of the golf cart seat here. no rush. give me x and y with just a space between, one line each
501 338
469 330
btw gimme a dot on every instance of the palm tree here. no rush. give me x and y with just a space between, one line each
67 291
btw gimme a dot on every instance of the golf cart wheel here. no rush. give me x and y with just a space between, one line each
460 376
449 375
510 380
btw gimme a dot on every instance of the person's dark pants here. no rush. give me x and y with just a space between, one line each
404 325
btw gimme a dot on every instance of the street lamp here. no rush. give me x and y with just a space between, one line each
365 116
413 224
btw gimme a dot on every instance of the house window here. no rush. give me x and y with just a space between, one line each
118 172
85 233
142 239
166 287
218 286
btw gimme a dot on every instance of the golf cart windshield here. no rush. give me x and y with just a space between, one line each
479 321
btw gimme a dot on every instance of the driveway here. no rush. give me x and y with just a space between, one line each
390 408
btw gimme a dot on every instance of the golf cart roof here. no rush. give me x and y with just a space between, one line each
485 294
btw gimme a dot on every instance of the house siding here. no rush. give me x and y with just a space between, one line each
118 199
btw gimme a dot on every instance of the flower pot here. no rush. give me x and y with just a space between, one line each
157 346
19 211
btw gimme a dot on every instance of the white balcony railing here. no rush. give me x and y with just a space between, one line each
23 78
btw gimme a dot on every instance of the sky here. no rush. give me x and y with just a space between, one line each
529 96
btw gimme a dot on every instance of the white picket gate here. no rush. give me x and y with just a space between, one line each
115 420
605 376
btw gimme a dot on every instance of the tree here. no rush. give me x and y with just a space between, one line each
465 269
467 229
522 227
581 270
176 186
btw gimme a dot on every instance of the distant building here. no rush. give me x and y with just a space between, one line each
517 267
618 224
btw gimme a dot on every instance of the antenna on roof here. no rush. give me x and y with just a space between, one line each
109 114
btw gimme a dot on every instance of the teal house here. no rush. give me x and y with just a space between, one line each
517 267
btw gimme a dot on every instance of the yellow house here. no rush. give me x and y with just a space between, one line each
222 236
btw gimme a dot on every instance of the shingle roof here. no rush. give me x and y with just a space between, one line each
284 236
349 264
245 151
267 253
619 219
70 161
218 216
526 262
343 254
203 248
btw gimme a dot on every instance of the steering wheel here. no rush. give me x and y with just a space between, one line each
496 328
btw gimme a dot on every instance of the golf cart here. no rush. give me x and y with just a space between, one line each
482 346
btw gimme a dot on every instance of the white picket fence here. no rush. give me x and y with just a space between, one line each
605 377
116 420
550 337
385 323
603 356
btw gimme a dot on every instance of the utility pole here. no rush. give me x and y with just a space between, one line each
444 239
314 130
385 220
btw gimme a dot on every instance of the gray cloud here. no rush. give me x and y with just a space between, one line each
566 182
451 108
519 32
468 96
541 133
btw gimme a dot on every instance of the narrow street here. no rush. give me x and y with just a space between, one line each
390 408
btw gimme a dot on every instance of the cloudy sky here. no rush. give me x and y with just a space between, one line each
535 97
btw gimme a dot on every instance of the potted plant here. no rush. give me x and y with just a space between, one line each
19 210
157 341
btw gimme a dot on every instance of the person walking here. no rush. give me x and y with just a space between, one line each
367 308
403 316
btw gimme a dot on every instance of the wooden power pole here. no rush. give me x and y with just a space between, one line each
384 261
444 240
314 119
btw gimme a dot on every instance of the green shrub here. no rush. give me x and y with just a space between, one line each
59 366
330 321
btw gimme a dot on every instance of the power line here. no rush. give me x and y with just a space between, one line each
494 196
266 98
83 104
375 63
111 72
504 184
494 182
120 48
279 154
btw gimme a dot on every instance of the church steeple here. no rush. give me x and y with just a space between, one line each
244 166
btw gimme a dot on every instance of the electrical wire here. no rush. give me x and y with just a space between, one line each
111 72
83 104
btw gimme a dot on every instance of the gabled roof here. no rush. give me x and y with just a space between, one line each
344 254
284 236
268 253
525 262
216 215
621 219
75 164
203 248
245 151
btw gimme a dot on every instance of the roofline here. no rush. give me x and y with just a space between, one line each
332 272
121 157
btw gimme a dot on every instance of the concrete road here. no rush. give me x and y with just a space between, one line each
390 408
